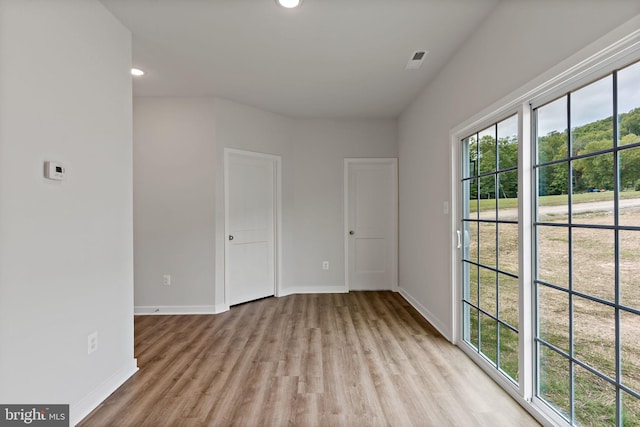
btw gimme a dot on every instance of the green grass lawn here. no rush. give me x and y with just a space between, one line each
559 200
594 397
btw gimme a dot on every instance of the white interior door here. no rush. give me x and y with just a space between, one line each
250 249
371 201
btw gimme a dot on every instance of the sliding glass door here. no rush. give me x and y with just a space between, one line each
587 229
490 256
559 317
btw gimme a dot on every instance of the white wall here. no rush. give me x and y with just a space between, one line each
173 180
518 42
179 217
66 248
319 149
247 128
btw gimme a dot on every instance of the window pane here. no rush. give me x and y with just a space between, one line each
594 335
595 399
553 317
553 255
470 150
594 262
470 196
472 325
592 117
487 150
488 244
509 352
552 126
629 204
593 174
630 410
472 290
554 378
509 297
488 297
553 202
630 138
508 143
488 197
508 196
471 241
489 337
629 268
630 349
508 248
593 183
629 104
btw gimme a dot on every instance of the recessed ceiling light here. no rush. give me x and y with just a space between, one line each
289 4
137 72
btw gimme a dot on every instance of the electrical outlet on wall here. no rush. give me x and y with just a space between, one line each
92 342
166 279
325 265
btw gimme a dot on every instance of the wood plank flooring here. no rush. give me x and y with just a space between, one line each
356 359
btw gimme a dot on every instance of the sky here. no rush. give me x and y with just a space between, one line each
507 127
588 104
593 102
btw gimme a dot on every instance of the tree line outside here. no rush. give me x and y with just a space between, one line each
589 174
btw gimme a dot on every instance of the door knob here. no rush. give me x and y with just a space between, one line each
230 237
351 232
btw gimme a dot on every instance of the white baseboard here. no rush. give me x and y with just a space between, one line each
220 308
435 322
90 402
341 289
179 309
150 310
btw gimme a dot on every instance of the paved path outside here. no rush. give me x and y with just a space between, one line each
603 206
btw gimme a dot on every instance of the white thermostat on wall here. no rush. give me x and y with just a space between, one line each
54 170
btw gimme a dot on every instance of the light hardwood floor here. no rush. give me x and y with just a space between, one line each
357 359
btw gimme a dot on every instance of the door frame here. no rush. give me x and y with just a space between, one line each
526 185
277 216
393 161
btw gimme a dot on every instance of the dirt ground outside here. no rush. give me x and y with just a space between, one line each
592 272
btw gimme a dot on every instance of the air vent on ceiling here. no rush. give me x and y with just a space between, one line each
416 59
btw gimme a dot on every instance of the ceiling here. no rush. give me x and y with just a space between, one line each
328 58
